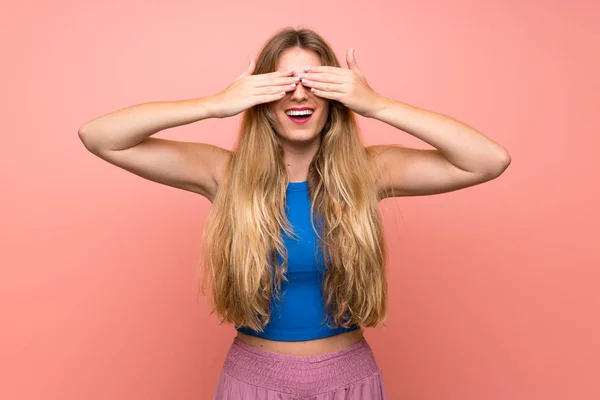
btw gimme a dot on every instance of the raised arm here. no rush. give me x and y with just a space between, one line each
123 137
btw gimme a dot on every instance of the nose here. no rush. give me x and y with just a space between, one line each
300 93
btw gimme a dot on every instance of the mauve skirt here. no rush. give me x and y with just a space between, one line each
250 373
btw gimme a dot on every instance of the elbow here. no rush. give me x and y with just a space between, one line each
498 164
86 138
83 136
83 133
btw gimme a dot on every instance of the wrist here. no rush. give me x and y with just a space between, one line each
379 106
208 106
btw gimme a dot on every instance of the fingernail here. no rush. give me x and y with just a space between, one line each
306 69
289 71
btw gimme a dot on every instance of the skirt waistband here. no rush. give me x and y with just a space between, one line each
305 375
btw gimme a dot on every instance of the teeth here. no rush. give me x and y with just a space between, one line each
299 113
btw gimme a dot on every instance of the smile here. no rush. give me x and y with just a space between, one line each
300 115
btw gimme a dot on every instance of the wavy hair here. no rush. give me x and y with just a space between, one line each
243 232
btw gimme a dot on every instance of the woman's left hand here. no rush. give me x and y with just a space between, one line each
348 86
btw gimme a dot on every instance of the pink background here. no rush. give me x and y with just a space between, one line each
493 290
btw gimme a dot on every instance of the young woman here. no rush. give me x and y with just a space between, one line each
294 245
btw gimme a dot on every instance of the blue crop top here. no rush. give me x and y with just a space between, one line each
300 312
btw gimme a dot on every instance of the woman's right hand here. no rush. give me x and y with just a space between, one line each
249 90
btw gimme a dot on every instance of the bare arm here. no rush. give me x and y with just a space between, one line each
123 138
127 127
463 156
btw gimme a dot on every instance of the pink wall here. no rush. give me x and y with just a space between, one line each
493 290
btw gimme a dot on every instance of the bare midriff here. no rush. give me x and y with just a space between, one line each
306 347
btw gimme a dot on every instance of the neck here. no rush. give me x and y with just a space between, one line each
297 158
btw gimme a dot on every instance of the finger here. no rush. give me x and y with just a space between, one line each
324 77
277 81
250 69
276 74
351 61
327 87
267 98
327 95
320 69
275 89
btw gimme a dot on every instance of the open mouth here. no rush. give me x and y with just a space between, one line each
300 115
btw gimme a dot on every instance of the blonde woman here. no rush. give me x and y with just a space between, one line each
294 248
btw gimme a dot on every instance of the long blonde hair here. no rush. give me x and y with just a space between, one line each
243 232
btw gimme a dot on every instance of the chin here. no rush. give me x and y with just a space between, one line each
300 129
298 137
